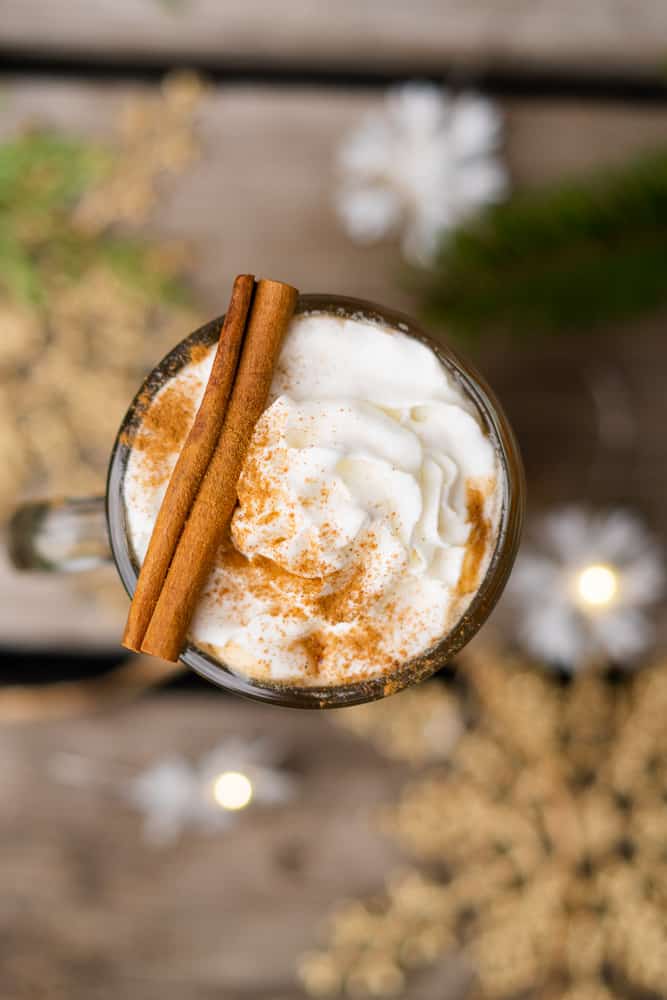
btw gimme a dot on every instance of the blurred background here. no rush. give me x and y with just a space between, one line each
499 171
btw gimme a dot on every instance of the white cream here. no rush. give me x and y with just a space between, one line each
357 485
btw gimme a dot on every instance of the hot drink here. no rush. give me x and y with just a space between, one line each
369 505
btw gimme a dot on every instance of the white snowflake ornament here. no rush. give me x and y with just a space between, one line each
420 165
174 795
171 797
581 592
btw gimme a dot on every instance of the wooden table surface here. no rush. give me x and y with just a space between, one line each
90 911
595 37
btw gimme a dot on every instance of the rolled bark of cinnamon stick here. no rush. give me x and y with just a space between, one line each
211 513
191 466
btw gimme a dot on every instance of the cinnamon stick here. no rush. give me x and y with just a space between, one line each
191 465
209 520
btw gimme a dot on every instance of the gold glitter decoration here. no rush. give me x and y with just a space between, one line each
420 724
375 945
84 312
541 845
12 454
20 335
155 137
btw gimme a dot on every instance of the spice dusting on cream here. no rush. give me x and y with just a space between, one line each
368 506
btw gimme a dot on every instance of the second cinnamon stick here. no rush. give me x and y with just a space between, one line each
208 523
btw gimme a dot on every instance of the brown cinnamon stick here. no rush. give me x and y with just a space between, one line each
191 465
208 523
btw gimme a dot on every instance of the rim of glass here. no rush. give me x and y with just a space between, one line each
436 656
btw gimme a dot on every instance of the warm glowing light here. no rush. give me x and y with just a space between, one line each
597 585
232 790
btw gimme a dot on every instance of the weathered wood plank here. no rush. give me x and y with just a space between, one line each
596 36
90 910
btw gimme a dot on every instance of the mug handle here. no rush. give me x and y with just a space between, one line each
59 536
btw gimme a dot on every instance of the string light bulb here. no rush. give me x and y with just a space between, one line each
597 585
232 790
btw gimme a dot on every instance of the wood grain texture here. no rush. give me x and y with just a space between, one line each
275 149
596 36
91 912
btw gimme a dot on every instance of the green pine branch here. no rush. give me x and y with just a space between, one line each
42 177
565 259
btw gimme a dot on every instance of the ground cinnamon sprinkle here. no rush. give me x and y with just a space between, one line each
350 655
257 491
478 538
358 652
343 601
283 593
198 352
314 647
363 646
163 430
127 437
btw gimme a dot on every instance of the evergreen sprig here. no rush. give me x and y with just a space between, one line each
564 259
43 175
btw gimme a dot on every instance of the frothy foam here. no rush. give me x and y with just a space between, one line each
368 507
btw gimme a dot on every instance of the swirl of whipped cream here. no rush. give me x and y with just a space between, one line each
326 467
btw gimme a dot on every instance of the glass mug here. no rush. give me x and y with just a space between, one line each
75 534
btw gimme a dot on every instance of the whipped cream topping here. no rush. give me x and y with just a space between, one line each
368 507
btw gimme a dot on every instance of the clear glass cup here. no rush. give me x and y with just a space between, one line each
73 534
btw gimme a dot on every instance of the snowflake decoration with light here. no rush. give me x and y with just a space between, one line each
424 162
174 795
580 592
541 848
